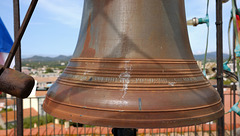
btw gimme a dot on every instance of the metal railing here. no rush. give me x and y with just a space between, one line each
39 123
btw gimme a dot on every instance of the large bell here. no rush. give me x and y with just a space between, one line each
133 68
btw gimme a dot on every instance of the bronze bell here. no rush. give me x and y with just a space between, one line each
133 68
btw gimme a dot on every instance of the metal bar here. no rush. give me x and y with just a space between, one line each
18 64
19 117
38 116
14 109
234 85
195 130
231 101
84 130
62 127
77 129
220 121
46 123
16 11
19 33
30 116
210 129
92 130
69 129
6 103
54 126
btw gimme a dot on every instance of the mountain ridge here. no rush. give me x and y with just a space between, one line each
41 58
211 56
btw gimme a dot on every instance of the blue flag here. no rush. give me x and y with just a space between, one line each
6 41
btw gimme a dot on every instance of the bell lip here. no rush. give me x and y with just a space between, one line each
118 123
142 111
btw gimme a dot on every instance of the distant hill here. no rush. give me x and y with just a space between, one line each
44 59
211 56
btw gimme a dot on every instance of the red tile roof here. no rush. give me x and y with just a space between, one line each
9 101
41 93
10 114
45 79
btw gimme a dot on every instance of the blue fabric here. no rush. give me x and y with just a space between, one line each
237 50
235 108
6 41
225 66
204 72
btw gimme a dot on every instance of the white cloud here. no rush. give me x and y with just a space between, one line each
68 12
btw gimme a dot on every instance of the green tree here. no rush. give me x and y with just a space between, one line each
42 120
4 110
49 70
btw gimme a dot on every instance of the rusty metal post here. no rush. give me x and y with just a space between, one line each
18 66
18 33
220 121
124 131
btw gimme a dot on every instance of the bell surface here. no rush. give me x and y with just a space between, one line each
133 68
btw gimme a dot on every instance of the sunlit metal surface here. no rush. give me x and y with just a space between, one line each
133 68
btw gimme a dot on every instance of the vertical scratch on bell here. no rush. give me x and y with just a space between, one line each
124 77
139 103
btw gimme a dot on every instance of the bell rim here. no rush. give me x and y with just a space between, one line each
111 122
136 111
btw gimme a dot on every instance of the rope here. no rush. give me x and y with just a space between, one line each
237 49
205 56
225 66
207 7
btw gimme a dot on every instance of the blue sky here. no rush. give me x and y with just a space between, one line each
54 27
